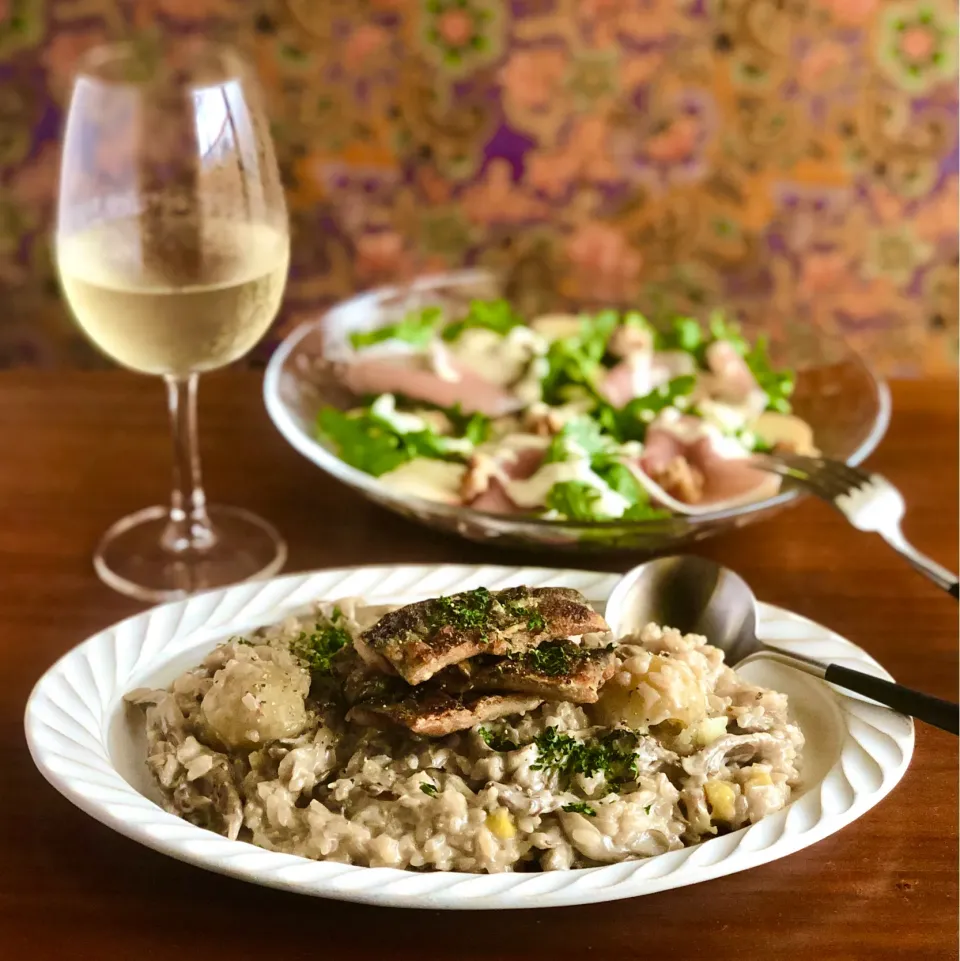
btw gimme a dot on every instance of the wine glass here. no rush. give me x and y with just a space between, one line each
173 246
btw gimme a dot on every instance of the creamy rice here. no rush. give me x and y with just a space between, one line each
247 746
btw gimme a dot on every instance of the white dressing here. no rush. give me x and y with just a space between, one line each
689 430
435 480
774 428
499 359
385 407
533 491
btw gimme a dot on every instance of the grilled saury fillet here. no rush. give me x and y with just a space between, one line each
423 638
433 712
556 671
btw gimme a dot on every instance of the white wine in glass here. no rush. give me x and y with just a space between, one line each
172 247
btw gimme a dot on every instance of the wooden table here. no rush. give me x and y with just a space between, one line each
79 450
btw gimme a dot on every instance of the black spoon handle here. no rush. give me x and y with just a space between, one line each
924 707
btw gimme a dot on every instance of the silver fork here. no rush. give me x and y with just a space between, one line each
870 502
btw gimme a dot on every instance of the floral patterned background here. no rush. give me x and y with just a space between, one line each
792 158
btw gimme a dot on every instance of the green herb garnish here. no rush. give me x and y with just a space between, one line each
495 741
550 659
474 427
467 611
647 808
319 647
535 621
580 807
575 362
373 445
684 333
631 421
416 328
612 755
778 385
575 500
429 789
495 315
581 433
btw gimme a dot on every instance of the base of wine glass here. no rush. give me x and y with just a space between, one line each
130 557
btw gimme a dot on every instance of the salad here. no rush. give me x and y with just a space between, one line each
568 417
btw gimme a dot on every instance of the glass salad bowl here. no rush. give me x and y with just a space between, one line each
841 399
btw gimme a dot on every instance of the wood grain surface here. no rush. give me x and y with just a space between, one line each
78 450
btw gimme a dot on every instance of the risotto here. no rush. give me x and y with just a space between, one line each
553 745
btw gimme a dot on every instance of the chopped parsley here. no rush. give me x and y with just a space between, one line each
535 621
550 659
416 328
612 755
245 641
319 647
467 611
497 742
429 789
647 808
580 807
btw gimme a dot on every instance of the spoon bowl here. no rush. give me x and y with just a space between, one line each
698 596
693 594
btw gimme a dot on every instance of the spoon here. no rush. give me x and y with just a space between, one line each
698 596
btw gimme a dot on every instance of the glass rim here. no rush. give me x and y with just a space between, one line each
95 63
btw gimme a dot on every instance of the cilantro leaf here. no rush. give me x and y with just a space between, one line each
684 333
576 361
777 385
416 328
495 315
630 422
474 427
361 441
645 511
575 500
620 478
374 445
582 432
727 330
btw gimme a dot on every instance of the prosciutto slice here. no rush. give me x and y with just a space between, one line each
437 379
699 468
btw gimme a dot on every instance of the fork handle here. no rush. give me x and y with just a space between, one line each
930 569
924 707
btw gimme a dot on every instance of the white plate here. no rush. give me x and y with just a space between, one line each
91 746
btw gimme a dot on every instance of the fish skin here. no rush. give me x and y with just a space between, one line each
434 713
418 644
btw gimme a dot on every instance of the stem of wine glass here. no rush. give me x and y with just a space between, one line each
189 527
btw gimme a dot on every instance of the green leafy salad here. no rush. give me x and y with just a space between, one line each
571 417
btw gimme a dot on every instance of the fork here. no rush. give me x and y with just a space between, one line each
870 502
